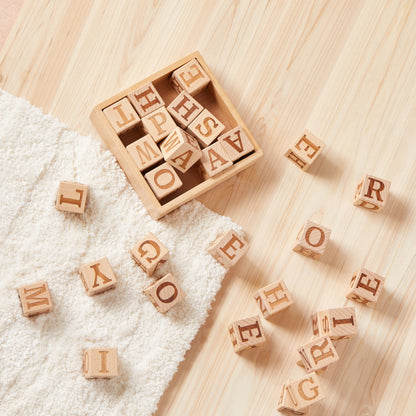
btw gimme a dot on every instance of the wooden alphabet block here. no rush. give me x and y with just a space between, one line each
35 298
121 116
228 248
184 109
146 99
149 253
181 150
318 353
305 151
165 293
372 193
312 240
100 363
158 124
190 77
214 160
247 333
298 395
285 401
71 197
365 286
163 180
145 152
236 143
97 276
206 128
273 298
337 323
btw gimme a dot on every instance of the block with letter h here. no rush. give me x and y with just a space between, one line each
372 193
247 333
35 298
365 287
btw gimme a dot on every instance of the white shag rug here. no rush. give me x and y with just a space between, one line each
41 357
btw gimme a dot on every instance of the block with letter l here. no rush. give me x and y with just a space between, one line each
72 197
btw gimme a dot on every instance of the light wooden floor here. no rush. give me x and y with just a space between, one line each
345 69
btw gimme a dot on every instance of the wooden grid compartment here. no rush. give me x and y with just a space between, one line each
214 99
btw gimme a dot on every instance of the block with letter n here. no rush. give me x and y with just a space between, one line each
247 333
35 298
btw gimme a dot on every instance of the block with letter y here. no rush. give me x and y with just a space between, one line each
97 276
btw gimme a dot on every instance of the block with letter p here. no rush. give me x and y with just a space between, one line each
305 151
149 253
158 124
97 276
35 298
365 287
228 248
71 197
372 193
247 333
312 240
100 363
190 77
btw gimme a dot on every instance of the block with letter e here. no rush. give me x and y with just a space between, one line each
72 197
365 287
35 298
247 333
97 276
190 77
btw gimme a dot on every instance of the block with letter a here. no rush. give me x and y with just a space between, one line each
97 276
337 323
71 197
145 152
35 298
146 99
365 287
163 180
122 116
236 143
206 128
372 193
184 109
312 240
247 333
100 363
214 160
273 298
149 253
305 150
165 293
190 78
228 248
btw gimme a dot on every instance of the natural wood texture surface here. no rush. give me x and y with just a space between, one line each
345 70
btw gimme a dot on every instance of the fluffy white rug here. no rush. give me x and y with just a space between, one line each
41 357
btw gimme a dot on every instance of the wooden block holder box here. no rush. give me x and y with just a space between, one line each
212 98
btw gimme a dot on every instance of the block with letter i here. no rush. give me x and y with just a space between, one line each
149 253
190 77
145 152
312 240
305 150
365 287
337 323
122 116
214 160
163 180
146 99
273 298
71 197
247 333
35 298
97 276
100 363
372 193
165 293
228 248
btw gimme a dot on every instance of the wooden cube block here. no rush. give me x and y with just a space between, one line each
273 298
100 363
318 353
149 253
214 160
97 276
163 180
305 151
181 150
184 109
145 152
236 143
298 395
337 323
285 402
365 287
165 293
228 248
206 128
146 99
35 298
372 193
190 77
121 116
312 240
247 333
158 124
71 197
